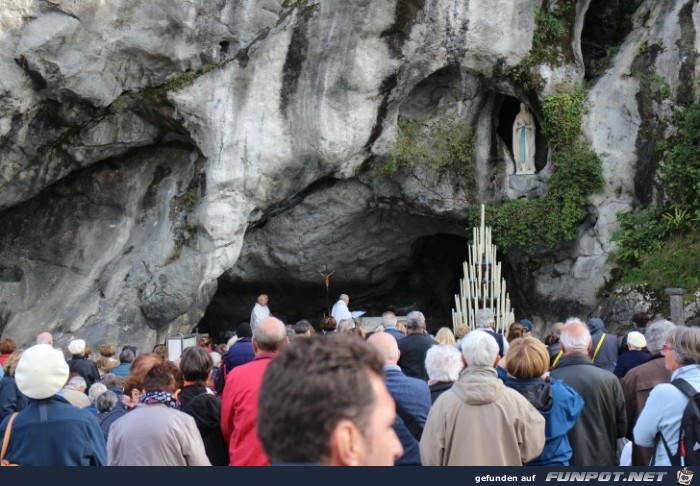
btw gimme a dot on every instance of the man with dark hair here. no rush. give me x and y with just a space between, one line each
239 409
302 328
350 426
125 359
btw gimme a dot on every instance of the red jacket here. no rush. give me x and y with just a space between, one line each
239 412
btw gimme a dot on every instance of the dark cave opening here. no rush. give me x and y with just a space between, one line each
507 109
428 284
606 24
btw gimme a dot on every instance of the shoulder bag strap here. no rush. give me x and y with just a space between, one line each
685 387
6 439
556 359
597 348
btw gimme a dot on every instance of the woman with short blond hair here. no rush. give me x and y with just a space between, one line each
527 363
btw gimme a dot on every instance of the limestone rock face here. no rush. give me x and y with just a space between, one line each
152 151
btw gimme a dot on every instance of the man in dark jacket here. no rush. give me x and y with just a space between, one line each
51 431
603 419
415 346
604 346
79 363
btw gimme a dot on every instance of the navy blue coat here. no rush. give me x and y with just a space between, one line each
11 399
53 432
413 395
240 353
630 360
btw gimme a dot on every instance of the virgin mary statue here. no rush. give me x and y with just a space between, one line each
524 141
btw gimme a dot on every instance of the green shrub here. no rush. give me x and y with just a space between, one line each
551 31
443 144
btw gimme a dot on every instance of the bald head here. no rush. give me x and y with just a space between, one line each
269 334
45 338
575 338
387 346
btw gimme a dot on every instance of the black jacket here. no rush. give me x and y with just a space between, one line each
85 368
603 419
413 349
205 408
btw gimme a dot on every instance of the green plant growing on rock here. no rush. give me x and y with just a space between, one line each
660 244
443 144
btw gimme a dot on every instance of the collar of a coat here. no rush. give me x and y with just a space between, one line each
574 359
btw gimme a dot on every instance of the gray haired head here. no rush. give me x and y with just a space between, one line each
415 320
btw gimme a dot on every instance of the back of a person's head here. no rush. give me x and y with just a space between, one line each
139 368
269 334
479 349
575 337
527 358
445 336
244 331
111 380
328 324
656 334
8 345
10 364
96 389
515 331
685 342
484 319
302 327
415 320
195 364
640 319
163 376
443 362
389 319
77 382
106 401
161 350
126 356
461 331
308 389
108 350
345 325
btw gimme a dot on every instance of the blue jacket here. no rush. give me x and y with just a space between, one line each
11 399
413 395
663 412
560 416
122 370
630 360
240 353
53 432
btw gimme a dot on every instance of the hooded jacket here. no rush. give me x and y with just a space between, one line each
607 355
481 422
560 406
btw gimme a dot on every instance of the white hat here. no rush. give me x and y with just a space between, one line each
636 339
41 372
77 346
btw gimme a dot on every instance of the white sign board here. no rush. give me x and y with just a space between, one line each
178 343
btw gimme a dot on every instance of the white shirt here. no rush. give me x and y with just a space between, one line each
340 311
259 313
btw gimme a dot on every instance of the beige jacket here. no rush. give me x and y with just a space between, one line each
481 422
155 435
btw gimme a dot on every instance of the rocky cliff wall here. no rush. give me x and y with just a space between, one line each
150 150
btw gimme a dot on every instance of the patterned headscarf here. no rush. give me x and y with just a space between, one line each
154 397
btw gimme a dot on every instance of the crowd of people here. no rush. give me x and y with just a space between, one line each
339 394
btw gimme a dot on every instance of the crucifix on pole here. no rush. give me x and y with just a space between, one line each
327 276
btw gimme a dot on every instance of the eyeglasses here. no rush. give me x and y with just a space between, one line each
667 347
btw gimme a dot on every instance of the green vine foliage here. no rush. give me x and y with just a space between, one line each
660 244
535 224
445 144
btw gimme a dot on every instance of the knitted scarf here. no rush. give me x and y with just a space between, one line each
154 397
